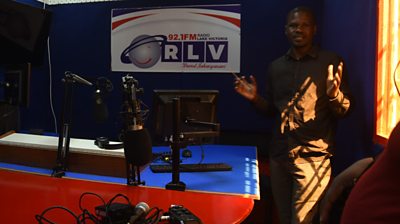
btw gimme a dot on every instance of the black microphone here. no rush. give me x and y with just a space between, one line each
141 210
137 141
103 87
79 79
100 107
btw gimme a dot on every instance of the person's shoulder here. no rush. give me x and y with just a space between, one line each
279 60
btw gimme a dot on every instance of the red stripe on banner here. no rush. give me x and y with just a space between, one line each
234 21
123 21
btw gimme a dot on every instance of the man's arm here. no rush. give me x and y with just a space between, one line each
248 89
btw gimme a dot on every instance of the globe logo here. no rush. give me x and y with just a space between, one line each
144 51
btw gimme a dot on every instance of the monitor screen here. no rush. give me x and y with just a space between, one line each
197 114
23 32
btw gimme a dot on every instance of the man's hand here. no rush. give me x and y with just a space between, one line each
247 89
333 81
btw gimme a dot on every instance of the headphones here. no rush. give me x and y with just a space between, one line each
103 143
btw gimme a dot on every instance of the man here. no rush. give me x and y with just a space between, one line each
306 97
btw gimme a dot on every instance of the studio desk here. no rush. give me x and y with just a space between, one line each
27 187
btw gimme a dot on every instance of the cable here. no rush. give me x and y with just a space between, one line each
51 86
153 216
116 196
50 80
394 78
85 213
41 217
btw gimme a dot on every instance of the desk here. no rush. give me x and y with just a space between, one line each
216 197
41 151
242 180
109 165
25 195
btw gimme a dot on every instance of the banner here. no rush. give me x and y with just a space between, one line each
176 39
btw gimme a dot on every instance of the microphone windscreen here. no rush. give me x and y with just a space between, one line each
143 206
141 210
137 147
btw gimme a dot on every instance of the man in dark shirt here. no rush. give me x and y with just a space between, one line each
306 97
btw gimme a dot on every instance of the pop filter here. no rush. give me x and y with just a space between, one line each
137 147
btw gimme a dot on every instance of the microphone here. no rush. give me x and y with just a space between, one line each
103 86
141 210
100 107
79 79
136 139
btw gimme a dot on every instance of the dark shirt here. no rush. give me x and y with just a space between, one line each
305 115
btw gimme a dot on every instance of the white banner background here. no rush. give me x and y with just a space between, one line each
178 39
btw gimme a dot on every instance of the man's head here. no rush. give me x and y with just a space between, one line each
300 27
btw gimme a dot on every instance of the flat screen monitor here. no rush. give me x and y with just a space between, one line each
198 113
23 32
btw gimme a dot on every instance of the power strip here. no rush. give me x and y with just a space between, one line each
181 215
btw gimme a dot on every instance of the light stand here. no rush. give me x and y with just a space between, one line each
65 129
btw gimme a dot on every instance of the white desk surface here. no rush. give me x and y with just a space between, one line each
51 143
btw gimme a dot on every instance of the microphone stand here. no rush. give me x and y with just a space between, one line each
133 175
176 145
65 129
64 135
137 144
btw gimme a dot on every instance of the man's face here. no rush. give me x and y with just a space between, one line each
300 29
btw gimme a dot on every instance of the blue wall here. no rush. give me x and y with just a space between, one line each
80 42
350 29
